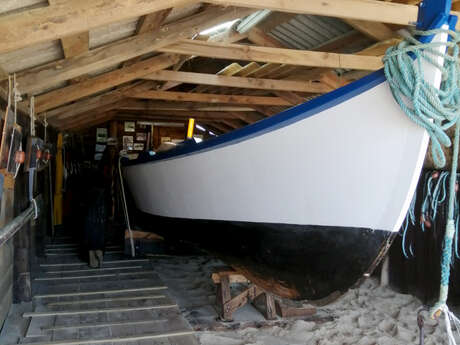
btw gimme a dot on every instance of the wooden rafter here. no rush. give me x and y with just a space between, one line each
53 73
75 44
185 114
71 17
103 82
108 99
149 23
371 10
374 30
208 98
274 55
241 82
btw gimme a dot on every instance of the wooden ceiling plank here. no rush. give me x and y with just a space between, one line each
208 98
152 21
103 82
105 99
274 55
149 23
290 97
241 82
66 18
371 10
374 30
260 38
87 124
53 73
221 115
75 44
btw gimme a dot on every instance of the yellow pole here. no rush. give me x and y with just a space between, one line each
191 128
59 181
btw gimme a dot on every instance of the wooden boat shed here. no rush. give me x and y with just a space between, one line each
141 69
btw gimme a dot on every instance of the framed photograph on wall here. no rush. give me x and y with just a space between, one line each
101 135
130 126
128 142
141 136
138 146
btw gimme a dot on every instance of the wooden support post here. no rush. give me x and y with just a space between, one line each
59 179
270 312
223 296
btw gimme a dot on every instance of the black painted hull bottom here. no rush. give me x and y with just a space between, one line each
315 263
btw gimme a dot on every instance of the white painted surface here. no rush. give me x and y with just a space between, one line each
351 165
354 165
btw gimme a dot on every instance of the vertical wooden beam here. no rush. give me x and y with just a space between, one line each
223 296
59 180
149 23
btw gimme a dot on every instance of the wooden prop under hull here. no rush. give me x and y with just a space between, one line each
310 262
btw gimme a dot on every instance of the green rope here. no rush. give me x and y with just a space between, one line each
434 109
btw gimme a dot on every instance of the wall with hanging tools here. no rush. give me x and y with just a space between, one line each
415 255
17 254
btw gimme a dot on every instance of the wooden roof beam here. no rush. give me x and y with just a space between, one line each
149 23
66 18
274 55
53 73
219 115
370 10
207 98
240 82
374 30
102 82
106 99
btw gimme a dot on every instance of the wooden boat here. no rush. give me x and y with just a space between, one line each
305 202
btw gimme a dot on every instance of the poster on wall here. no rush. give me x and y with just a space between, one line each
138 146
130 126
128 142
101 135
141 136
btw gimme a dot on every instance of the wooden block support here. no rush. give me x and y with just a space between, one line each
286 311
227 304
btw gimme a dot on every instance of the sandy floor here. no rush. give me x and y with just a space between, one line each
368 315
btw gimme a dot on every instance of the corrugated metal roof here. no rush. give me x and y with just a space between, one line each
309 32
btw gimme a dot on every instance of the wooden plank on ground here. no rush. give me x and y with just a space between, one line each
99 292
125 340
96 311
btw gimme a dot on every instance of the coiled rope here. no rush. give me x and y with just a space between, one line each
436 110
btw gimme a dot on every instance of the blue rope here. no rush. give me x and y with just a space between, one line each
436 110
410 218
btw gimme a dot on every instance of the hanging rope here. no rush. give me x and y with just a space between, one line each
32 115
436 110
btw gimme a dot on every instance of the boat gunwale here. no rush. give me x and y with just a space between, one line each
275 122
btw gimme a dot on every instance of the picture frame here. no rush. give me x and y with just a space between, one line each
128 142
130 126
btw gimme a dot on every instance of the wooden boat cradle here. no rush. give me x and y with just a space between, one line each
227 305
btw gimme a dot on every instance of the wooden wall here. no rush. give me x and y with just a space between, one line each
17 254
6 279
